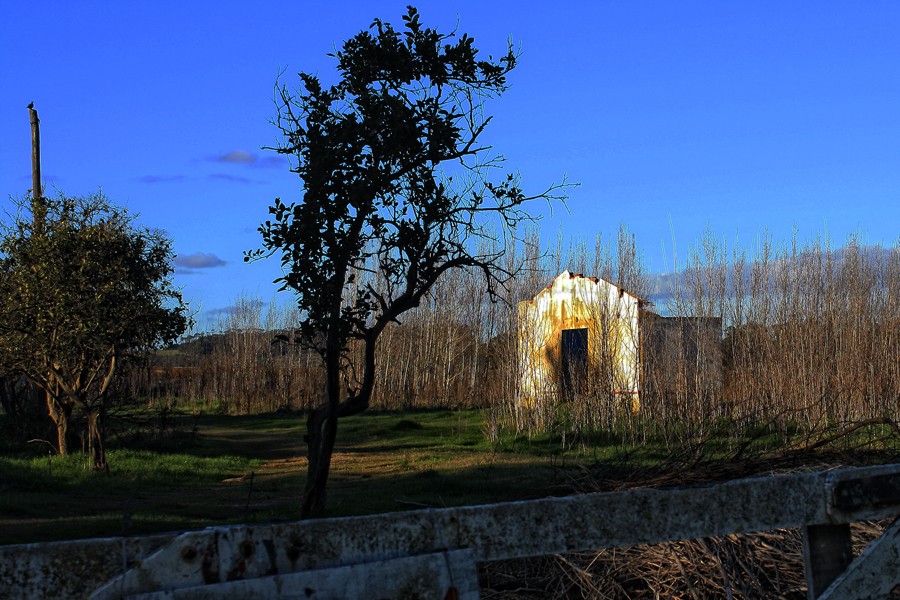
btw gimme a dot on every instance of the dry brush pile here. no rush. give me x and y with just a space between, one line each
740 566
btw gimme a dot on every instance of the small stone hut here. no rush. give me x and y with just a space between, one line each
579 335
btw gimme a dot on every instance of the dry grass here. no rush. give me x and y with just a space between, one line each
741 566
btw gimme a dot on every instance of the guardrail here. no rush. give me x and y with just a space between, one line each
433 553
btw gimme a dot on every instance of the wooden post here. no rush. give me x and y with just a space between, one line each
827 552
38 209
874 573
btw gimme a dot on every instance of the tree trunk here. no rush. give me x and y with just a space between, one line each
61 414
321 425
96 447
321 433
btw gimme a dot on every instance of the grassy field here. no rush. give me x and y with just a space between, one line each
217 469
224 469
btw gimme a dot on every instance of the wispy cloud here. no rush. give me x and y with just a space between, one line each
236 156
161 178
47 180
272 162
232 178
198 260
242 157
242 306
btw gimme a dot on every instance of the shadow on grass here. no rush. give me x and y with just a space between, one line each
280 435
53 510
440 488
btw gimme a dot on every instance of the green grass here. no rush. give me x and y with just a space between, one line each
222 469
383 462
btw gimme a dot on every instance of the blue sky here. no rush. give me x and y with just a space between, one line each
673 117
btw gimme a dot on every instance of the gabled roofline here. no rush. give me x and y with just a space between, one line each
598 280
642 302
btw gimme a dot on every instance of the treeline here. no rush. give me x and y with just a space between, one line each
809 339
238 367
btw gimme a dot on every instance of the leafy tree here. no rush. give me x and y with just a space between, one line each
396 192
83 294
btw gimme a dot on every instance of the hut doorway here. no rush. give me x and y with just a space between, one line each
574 360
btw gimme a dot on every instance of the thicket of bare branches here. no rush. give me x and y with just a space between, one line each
811 336
806 340
239 367
800 338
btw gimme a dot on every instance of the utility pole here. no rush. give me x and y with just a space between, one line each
38 208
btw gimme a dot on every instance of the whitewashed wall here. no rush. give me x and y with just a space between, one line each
611 316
